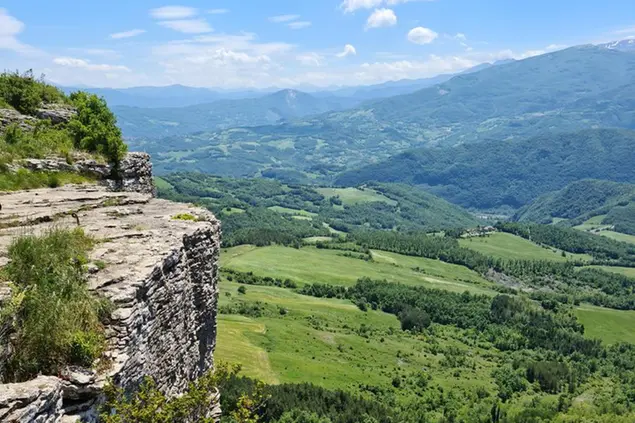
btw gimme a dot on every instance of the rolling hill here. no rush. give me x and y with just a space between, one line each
569 90
580 199
510 173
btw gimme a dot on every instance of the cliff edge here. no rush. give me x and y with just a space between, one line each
157 261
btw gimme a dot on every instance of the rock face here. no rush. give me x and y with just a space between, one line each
38 401
56 113
134 173
161 274
10 117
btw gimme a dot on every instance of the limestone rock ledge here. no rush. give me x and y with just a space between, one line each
162 276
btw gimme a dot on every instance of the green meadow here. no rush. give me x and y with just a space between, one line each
312 265
508 246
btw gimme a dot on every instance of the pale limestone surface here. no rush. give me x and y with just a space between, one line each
161 273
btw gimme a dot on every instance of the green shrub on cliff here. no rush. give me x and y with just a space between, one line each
55 320
25 93
94 128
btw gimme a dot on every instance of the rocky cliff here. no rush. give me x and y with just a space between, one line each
159 270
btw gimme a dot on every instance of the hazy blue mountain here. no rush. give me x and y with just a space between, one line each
168 96
269 109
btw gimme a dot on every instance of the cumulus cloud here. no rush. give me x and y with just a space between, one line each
421 35
349 50
10 27
299 25
173 12
350 6
73 62
381 18
127 34
283 18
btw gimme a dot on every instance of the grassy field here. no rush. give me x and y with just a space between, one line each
611 326
626 271
619 236
312 265
508 246
161 183
592 224
324 342
352 196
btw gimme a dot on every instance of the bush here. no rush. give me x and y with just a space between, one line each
414 319
242 290
149 405
94 127
56 320
25 93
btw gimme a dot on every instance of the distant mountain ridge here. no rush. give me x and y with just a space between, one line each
220 114
569 90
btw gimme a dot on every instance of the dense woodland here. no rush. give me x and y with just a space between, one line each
579 200
511 173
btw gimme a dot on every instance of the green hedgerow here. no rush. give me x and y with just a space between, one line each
56 320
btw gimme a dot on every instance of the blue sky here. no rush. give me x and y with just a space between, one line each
290 43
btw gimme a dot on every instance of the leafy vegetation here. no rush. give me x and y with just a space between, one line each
26 93
55 321
25 179
93 128
262 212
579 199
511 173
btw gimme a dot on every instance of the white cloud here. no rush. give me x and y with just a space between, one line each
625 31
310 59
98 52
353 5
349 50
127 34
284 18
381 18
421 35
217 11
87 65
173 12
299 25
350 6
10 27
188 26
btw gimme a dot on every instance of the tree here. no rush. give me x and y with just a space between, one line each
414 320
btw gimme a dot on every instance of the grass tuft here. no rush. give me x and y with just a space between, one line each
56 320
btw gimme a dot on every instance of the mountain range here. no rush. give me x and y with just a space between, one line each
570 90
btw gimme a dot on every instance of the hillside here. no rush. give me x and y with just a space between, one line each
262 211
226 113
511 173
581 87
580 198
